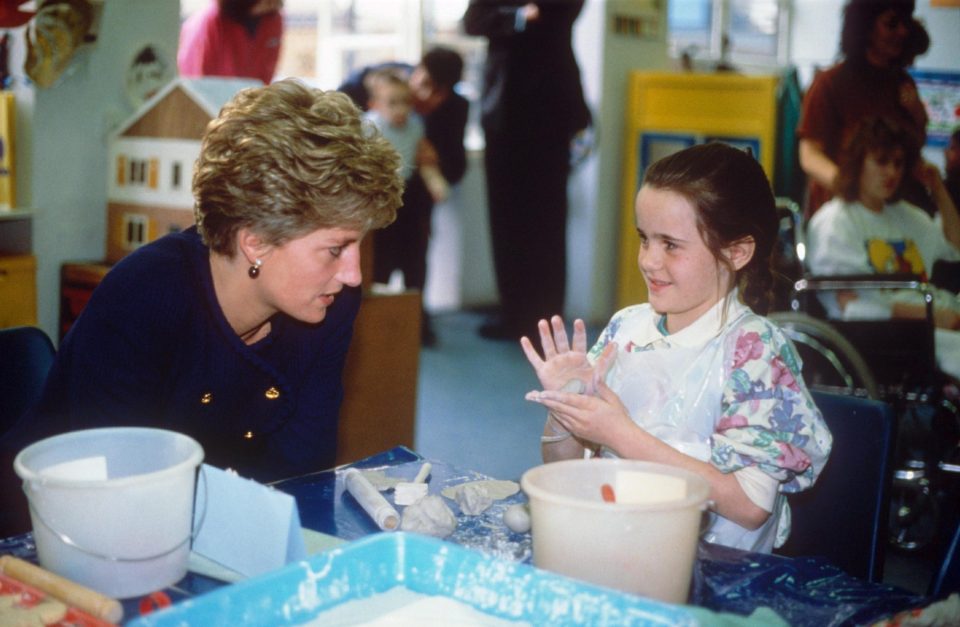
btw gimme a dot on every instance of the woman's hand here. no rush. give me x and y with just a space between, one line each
561 361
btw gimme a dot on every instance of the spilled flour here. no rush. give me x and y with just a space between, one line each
402 606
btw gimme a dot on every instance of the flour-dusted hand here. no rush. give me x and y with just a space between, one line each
598 416
561 362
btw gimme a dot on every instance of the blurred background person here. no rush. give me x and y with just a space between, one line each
532 107
403 245
870 228
444 115
239 38
951 159
879 40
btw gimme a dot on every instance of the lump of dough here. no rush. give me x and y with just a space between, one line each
517 518
473 499
496 489
429 516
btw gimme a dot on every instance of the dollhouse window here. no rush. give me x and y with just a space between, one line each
175 175
135 227
138 172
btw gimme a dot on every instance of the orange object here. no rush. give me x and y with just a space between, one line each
606 491
154 601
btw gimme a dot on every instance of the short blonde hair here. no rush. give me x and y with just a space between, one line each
285 160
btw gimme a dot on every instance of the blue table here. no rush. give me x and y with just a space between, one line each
803 591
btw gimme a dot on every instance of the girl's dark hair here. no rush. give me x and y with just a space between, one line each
859 17
734 201
874 135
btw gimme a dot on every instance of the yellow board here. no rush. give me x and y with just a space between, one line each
667 112
18 290
8 190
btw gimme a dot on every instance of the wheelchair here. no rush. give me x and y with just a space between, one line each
888 360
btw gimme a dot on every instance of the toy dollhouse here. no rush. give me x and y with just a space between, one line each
152 156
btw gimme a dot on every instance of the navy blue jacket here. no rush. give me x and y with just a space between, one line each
153 348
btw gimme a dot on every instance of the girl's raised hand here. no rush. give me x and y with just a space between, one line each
561 360
598 416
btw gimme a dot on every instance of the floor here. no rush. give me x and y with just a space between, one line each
471 412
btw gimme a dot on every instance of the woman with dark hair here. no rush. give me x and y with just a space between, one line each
869 228
696 378
879 40
238 38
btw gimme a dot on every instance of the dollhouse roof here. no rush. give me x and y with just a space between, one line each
203 96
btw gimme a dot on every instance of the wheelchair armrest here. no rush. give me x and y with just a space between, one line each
837 282
862 282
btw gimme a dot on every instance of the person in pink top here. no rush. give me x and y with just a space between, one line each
232 38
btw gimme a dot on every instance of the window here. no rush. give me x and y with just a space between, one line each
750 32
324 41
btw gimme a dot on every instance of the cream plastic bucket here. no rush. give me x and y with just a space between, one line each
112 508
645 549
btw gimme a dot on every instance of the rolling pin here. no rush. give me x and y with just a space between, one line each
370 500
64 590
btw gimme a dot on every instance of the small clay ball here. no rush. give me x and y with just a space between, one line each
517 518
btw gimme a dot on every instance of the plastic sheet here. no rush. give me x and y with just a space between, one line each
802 591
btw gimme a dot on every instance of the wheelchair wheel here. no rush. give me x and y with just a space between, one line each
830 361
914 510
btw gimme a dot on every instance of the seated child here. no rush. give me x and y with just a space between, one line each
869 229
694 378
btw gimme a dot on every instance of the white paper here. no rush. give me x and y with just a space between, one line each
244 525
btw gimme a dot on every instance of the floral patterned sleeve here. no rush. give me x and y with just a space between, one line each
608 333
768 418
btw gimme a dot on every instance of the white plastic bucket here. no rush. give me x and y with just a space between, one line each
112 508
645 549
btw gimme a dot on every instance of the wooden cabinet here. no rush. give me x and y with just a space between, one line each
380 379
18 290
18 269
77 282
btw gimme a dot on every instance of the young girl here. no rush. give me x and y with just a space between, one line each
694 378
869 229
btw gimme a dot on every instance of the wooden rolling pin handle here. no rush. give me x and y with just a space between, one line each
64 590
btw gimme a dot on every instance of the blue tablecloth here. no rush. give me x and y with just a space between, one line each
803 591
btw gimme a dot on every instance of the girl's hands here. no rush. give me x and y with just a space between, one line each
561 361
599 416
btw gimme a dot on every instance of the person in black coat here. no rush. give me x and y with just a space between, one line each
533 105
404 244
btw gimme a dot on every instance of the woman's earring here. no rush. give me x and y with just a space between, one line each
254 270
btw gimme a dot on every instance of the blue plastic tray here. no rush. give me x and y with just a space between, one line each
297 593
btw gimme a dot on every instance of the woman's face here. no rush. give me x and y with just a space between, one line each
302 277
888 37
880 177
423 90
683 278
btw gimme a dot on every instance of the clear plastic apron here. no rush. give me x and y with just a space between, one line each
674 393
